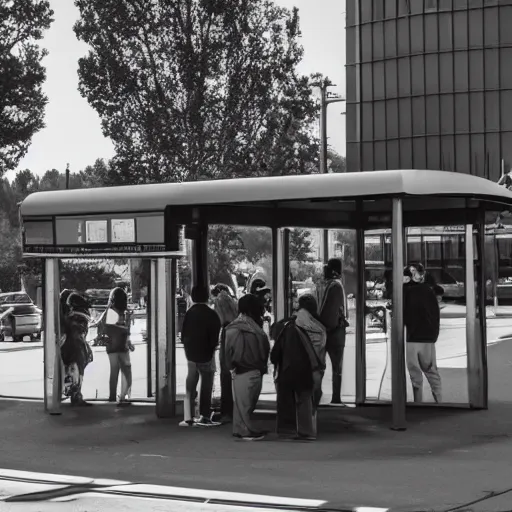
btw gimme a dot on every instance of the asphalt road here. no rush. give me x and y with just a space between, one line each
445 459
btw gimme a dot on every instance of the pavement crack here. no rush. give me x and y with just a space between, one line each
490 495
61 492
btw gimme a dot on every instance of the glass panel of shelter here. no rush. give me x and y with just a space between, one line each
132 276
442 253
306 277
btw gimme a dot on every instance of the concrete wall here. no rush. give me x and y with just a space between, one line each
429 85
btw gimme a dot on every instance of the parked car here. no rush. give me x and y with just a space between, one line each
97 298
23 319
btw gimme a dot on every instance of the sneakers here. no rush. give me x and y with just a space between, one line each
199 422
187 423
251 437
203 421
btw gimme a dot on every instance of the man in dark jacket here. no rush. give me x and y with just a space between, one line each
200 336
422 324
333 314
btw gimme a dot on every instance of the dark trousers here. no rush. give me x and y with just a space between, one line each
335 349
226 389
296 412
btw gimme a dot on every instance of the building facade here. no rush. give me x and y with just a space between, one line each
429 85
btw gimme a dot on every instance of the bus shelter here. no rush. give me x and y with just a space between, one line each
152 221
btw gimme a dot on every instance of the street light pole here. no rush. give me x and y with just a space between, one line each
326 98
323 128
67 177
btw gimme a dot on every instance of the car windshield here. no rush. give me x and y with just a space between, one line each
15 298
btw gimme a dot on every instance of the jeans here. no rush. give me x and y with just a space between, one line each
335 349
207 373
120 361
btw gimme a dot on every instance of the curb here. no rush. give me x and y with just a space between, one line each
60 486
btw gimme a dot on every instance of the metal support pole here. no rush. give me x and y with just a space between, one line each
51 321
323 160
476 377
279 278
482 312
398 387
323 128
200 259
360 320
165 339
496 273
152 312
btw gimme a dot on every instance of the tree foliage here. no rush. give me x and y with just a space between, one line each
22 102
335 162
301 245
81 275
225 250
257 242
197 89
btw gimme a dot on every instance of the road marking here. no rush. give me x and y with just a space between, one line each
30 482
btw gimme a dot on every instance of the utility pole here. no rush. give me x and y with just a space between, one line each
67 176
326 98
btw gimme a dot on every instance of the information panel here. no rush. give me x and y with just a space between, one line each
96 231
123 231
98 236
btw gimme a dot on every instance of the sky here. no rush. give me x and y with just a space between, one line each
73 130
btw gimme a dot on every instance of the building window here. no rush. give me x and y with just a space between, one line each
404 7
378 10
430 5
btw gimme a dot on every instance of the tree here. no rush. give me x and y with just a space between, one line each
336 162
197 89
96 175
257 242
301 245
82 275
225 250
22 102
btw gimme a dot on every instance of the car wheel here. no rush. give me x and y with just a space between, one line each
36 336
17 339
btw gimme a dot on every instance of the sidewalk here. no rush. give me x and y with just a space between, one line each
445 459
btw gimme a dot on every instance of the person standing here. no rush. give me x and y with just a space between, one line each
116 330
227 309
247 351
75 352
309 321
296 363
422 321
200 337
333 315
